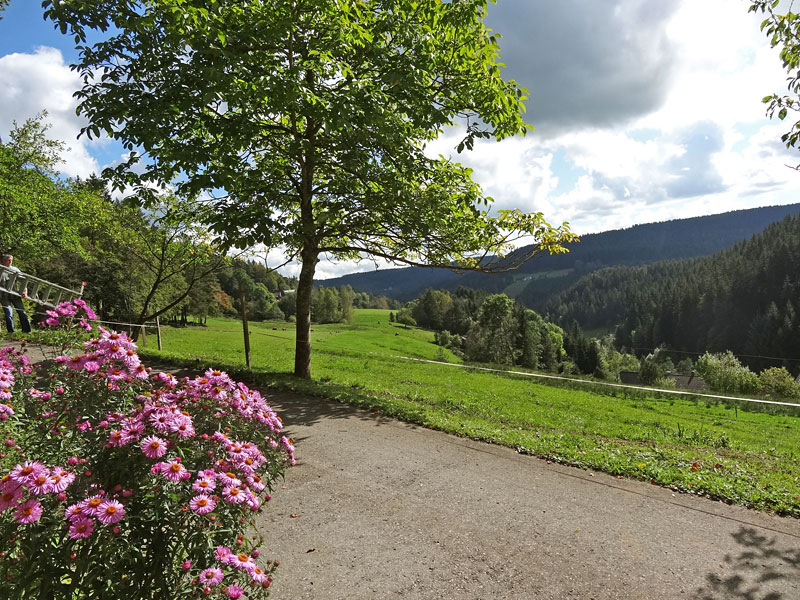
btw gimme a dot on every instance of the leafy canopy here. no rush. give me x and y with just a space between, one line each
307 122
308 118
42 215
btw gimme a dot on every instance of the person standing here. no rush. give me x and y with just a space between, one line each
12 301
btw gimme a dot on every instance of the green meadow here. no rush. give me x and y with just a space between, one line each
719 450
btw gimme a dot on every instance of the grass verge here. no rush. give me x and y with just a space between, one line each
708 449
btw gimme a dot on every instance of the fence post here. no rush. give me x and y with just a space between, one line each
144 335
158 334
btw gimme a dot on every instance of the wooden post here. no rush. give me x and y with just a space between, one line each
246 332
158 334
144 335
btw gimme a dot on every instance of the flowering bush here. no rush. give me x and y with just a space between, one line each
120 483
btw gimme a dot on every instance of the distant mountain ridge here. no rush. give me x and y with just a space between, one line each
540 278
744 299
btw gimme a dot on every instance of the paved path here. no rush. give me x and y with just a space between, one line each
379 509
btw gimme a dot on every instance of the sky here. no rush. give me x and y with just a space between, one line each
642 110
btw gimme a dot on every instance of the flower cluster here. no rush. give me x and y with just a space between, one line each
68 312
149 457
12 363
20 487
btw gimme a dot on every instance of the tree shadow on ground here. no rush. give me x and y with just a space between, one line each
298 409
294 408
764 570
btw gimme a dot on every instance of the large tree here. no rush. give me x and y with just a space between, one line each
309 120
41 214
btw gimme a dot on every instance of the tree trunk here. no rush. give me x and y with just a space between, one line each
246 331
305 285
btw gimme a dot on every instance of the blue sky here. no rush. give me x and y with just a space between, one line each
643 111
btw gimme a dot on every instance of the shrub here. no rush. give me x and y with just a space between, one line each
404 317
651 370
777 381
724 373
131 485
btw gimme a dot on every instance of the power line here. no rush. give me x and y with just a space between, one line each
665 349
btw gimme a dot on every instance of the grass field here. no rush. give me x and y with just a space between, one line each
742 457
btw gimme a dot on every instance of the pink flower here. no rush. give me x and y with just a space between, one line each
255 483
241 561
257 574
131 431
10 497
229 479
202 504
154 447
75 511
40 484
161 420
223 554
182 425
26 472
211 577
28 512
81 527
187 564
60 480
252 500
234 495
234 591
204 485
174 471
115 439
91 506
110 511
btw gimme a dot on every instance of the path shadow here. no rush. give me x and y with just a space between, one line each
764 570
293 408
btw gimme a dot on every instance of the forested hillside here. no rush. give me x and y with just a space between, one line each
744 299
545 275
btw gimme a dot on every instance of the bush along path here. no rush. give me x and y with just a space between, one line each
105 463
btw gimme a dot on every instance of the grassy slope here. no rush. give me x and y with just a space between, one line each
743 457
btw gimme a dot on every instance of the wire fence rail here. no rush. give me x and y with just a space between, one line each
141 328
603 383
574 380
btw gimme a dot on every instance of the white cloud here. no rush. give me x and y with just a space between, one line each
700 143
42 81
645 111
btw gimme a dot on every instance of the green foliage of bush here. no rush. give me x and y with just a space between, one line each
651 370
404 317
724 373
777 381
